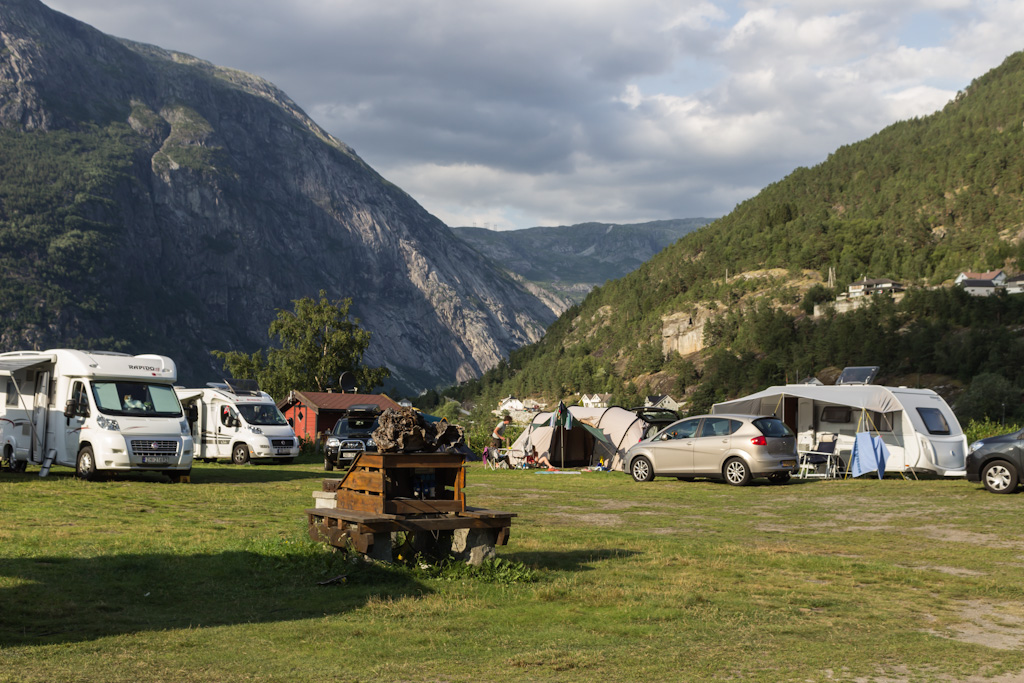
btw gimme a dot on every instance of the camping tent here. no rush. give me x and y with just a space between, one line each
917 426
620 429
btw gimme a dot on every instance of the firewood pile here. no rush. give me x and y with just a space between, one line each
406 431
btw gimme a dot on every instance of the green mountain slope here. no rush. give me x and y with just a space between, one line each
918 202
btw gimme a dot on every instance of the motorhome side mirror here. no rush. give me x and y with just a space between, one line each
70 408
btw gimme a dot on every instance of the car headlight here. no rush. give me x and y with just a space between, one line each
333 441
370 443
975 446
107 423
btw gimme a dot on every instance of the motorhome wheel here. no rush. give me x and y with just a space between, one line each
86 467
240 454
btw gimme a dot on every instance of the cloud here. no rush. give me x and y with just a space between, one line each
533 112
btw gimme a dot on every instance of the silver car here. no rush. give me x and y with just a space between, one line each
735 448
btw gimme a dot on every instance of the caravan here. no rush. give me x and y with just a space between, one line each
96 411
238 421
917 426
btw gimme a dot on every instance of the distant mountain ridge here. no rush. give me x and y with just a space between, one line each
152 201
569 261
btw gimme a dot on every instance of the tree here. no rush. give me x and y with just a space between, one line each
318 342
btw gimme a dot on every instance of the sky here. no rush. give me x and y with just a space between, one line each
521 113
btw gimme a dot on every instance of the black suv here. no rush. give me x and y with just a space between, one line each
352 434
997 462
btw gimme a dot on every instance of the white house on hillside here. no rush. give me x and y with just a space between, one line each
663 401
996 277
595 400
510 404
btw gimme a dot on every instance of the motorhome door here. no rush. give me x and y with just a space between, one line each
73 425
227 428
40 415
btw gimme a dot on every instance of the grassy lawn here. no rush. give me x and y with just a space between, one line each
135 579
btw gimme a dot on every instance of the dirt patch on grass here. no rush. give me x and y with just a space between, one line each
997 626
955 571
953 535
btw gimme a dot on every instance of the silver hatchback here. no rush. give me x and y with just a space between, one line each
735 448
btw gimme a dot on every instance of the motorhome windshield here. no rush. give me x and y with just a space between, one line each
262 414
136 399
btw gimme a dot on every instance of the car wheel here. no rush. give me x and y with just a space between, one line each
85 468
779 477
240 454
999 476
641 469
736 472
328 465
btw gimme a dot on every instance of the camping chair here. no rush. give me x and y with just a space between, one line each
517 460
498 459
823 454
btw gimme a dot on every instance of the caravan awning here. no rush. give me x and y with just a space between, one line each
867 397
12 365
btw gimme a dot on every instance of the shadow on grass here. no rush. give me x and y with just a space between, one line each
48 600
573 560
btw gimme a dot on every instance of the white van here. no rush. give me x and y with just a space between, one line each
238 421
96 411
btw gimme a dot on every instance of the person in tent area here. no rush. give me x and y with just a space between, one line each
498 438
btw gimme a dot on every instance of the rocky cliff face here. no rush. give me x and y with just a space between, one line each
224 203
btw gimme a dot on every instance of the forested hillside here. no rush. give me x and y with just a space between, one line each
918 202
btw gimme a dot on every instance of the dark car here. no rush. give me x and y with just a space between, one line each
997 461
352 434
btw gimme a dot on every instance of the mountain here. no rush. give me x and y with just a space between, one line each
569 261
725 310
152 201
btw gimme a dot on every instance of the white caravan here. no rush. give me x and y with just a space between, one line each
919 429
238 421
96 411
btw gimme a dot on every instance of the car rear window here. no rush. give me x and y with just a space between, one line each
934 420
772 426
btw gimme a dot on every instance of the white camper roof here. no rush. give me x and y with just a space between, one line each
104 364
866 396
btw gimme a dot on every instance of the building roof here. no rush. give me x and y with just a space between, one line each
1015 278
320 400
977 283
990 275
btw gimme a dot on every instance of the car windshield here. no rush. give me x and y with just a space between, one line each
137 399
772 426
262 414
355 424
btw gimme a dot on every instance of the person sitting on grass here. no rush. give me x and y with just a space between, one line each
543 461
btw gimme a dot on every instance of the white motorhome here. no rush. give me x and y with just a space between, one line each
918 427
238 421
96 411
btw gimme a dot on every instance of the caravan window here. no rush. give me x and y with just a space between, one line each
934 420
836 414
12 394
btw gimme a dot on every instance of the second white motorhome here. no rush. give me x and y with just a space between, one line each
99 412
237 421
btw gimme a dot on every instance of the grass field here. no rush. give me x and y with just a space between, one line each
135 579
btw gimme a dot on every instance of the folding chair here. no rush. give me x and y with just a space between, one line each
811 462
498 459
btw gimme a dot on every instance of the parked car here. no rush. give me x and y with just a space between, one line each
656 418
352 434
997 461
736 448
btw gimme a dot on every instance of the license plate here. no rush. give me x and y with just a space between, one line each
283 451
789 463
156 459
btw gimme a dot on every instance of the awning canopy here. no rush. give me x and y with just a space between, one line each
868 397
